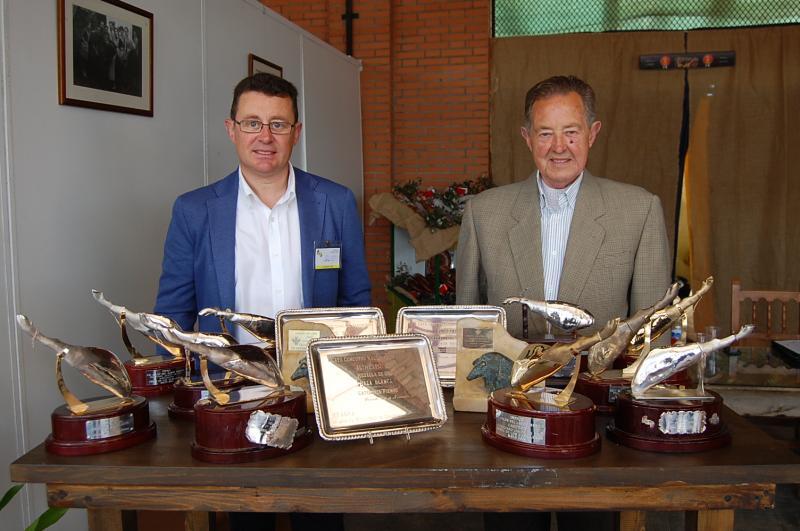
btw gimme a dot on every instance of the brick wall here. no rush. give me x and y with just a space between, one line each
424 94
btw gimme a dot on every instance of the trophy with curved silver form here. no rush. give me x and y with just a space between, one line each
82 427
150 375
566 316
659 417
661 321
260 327
245 423
248 361
542 421
190 387
603 353
661 363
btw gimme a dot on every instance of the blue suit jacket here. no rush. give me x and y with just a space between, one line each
199 265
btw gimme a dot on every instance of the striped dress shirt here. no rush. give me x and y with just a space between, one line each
557 206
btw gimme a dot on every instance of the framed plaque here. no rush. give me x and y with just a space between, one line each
374 386
486 355
438 324
294 329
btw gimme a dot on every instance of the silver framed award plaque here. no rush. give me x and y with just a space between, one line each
374 386
438 324
294 329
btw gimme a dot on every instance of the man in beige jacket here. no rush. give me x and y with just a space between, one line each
563 233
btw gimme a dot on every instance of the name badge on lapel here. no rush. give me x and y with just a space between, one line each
327 255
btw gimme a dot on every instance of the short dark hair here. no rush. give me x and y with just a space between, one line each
561 85
267 84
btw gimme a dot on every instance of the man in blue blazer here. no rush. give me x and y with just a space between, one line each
221 235
265 238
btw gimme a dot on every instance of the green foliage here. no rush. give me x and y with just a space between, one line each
10 493
45 520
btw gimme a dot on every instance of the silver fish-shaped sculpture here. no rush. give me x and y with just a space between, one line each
566 316
661 363
263 328
135 320
661 320
528 371
162 327
98 365
603 353
247 361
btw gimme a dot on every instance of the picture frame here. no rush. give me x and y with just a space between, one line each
256 65
105 56
438 323
295 328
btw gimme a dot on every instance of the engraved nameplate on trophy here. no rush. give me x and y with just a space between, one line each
374 386
294 329
94 425
438 324
534 425
603 389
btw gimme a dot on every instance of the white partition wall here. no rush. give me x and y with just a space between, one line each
86 194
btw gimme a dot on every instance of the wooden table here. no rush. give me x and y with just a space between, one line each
447 470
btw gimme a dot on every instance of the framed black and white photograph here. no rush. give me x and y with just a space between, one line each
105 56
257 65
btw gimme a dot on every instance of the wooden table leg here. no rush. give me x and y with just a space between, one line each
632 520
104 519
716 520
196 521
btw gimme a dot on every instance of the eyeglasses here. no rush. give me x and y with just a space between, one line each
276 127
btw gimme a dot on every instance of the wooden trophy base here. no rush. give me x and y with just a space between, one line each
539 428
220 430
155 377
670 426
186 396
102 431
603 389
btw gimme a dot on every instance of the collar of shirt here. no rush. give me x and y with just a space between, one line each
553 198
248 197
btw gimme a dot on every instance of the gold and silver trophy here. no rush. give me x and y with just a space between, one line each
602 383
662 417
96 425
260 418
532 419
151 375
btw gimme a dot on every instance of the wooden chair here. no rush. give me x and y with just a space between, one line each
762 303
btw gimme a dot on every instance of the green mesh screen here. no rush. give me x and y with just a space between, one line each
543 17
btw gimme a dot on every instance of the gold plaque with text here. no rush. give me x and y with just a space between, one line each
374 386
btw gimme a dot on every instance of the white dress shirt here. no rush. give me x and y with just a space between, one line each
557 206
268 264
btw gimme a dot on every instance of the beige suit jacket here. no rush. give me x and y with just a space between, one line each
617 259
